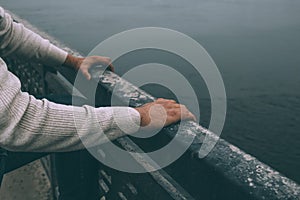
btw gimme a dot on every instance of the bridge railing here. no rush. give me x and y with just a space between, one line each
225 173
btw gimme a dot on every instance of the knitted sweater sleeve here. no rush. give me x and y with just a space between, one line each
28 124
21 42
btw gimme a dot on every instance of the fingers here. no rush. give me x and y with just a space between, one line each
91 61
86 73
97 60
175 110
162 101
186 114
111 68
174 113
104 61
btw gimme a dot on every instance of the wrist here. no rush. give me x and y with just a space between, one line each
142 116
72 62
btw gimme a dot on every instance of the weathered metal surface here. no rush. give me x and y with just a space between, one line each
160 176
251 175
122 186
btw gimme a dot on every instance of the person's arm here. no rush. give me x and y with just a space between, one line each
17 40
21 42
31 125
28 124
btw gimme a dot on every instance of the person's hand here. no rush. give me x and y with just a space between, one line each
83 64
163 112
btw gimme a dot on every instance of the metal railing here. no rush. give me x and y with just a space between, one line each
225 173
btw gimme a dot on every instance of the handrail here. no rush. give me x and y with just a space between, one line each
255 178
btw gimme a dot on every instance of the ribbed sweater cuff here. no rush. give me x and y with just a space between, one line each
125 119
56 56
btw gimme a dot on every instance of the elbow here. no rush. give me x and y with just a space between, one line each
12 140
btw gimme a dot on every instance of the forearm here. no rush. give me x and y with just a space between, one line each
28 124
45 126
21 42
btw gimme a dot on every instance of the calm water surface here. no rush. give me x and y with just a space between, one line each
255 44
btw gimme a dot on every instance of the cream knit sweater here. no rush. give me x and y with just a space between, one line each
28 124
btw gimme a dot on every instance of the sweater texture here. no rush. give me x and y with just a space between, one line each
31 125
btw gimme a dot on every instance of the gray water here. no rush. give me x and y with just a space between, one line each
255 44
